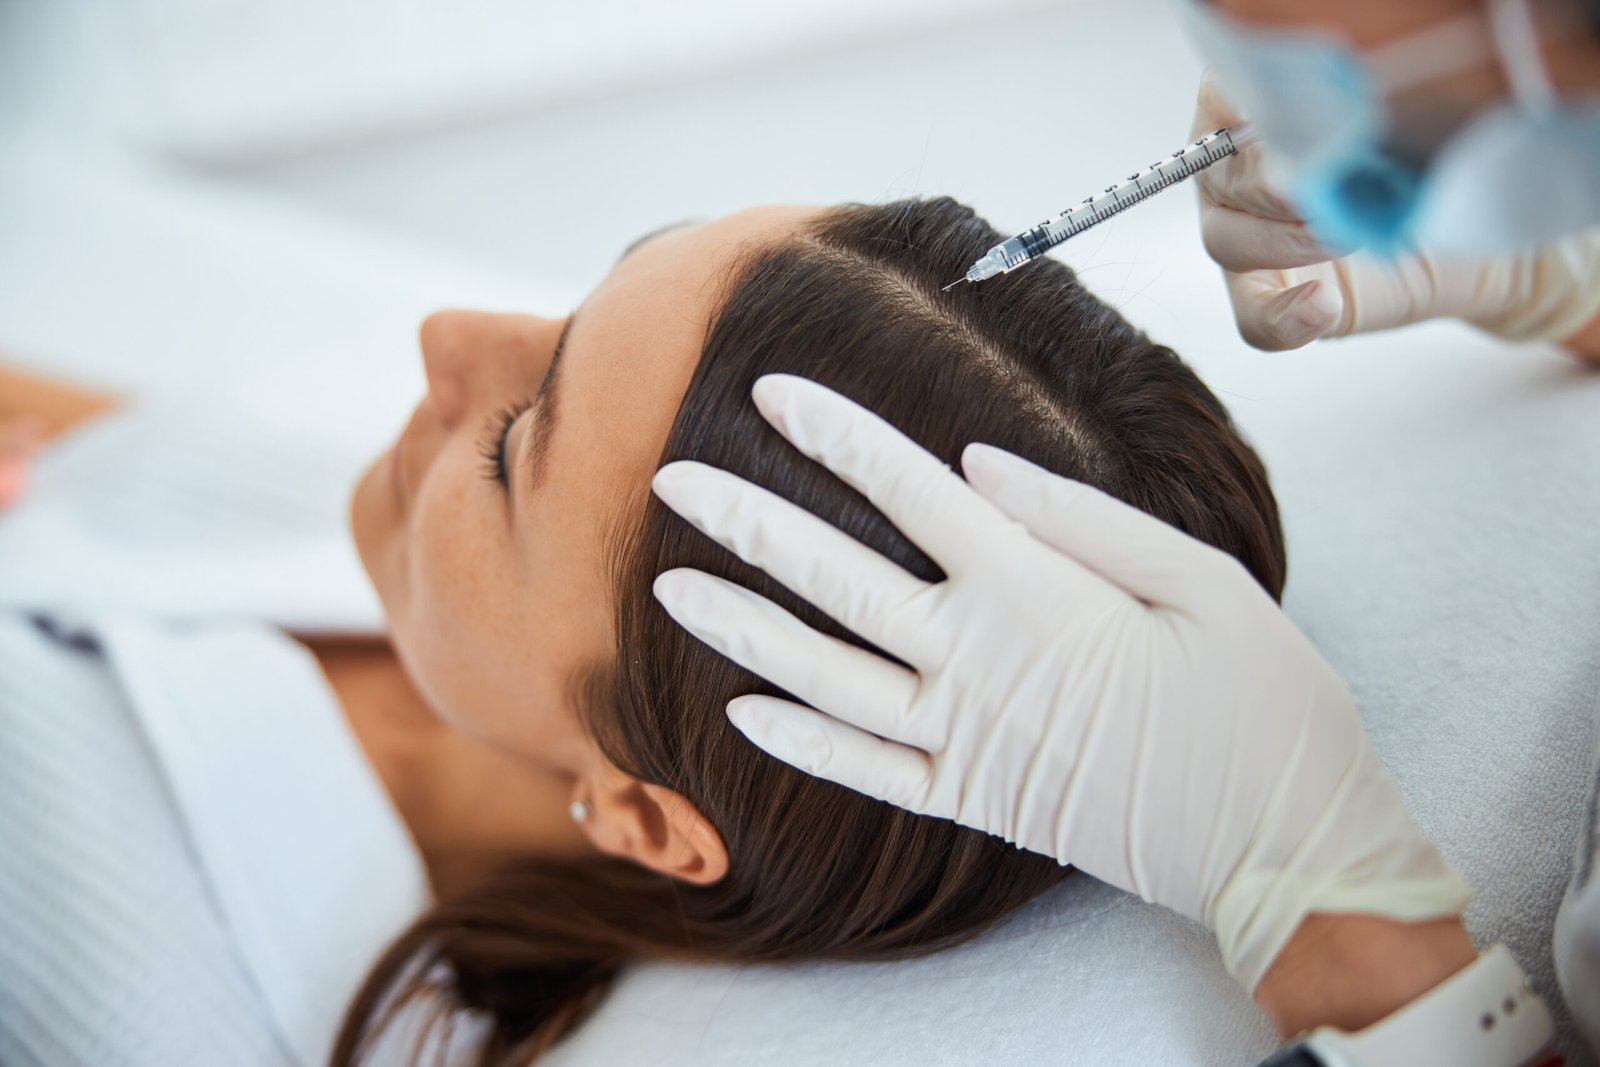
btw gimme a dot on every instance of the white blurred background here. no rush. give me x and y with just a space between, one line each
541 137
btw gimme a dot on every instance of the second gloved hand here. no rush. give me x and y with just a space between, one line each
1088 682
1288 290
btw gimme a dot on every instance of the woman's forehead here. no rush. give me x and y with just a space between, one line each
630 353
635 342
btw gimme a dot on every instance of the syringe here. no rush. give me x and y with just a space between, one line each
1010 254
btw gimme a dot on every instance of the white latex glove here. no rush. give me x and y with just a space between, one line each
1088 683
1287 290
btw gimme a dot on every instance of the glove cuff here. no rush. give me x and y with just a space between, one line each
1552 292
1362 854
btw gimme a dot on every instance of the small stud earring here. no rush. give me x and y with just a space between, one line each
581 810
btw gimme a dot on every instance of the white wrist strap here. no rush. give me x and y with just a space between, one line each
1485 1015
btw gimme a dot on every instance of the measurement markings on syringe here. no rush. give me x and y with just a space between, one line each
1115 199
1135 188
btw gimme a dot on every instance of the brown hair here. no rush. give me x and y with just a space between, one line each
1031 362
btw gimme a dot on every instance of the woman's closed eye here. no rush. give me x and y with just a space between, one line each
492 445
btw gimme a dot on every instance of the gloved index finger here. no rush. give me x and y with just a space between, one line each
1240 182
865 592
926 500
1212 109
848 683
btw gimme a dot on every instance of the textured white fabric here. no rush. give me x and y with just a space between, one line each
113 950
1577 931
200 867
311 865
167 745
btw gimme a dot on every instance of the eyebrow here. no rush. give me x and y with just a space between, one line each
545 401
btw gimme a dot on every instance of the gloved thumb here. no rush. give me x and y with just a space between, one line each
1274 316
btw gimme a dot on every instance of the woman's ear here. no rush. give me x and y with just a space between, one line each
652 826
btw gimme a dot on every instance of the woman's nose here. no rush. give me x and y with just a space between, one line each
474 359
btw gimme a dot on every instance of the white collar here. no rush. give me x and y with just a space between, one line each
313 868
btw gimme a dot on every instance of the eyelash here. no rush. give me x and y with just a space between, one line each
492 445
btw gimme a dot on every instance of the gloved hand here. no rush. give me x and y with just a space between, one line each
1287 290
1088 682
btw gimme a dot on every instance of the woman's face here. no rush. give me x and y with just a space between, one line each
497 594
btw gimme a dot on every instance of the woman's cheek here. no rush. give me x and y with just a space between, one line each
446 559
445 525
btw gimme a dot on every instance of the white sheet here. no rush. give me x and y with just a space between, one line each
1442 503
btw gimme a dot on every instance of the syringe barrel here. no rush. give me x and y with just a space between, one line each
1113 200
1013 252
1035 242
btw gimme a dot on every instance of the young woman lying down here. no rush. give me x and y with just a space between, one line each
556 747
